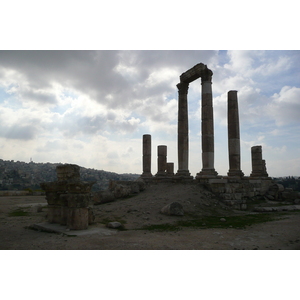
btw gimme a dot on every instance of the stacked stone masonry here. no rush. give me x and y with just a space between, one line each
69 199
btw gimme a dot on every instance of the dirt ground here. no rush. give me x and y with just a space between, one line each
144 210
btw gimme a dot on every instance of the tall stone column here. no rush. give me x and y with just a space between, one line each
234 147
146 156
161 160
183 131
207 126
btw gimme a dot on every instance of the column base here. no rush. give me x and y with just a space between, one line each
183 174
207 173
235 173
161 174
257 174
147 175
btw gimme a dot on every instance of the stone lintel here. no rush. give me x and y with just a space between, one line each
193 73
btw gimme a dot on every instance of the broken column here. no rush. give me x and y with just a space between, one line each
264 172
69 201
183 131
161 160
146 156
170 169
257 162
233 135
207 126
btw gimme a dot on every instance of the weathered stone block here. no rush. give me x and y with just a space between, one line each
68 172
114 225
243 206
78 218
227 196
76 200
91 215
255 181
173 209
52 198
64 215
121 191
54 214
237 196
79 187
101 197
222 181
289 195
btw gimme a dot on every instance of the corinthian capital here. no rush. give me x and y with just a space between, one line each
206 75
182 88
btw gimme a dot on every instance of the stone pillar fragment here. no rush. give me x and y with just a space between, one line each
170 169
68 172
265 174
161 160
207 127
257 162
146 156
69 199
183 131
233 135
78 212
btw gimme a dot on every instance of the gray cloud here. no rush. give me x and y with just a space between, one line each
41 98
19 132
94 72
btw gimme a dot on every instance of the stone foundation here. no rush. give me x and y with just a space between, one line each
235 192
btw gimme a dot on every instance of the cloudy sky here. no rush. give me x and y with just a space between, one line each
91 108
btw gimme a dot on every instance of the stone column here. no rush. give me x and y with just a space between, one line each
146 156
183 131
161 160
234 147
207 127
257 162
170 169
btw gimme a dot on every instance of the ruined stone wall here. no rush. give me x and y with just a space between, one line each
236 192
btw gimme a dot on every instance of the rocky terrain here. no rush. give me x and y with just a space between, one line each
206 224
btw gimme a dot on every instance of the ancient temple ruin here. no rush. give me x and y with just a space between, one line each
234 187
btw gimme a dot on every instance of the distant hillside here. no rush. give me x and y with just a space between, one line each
20 175
289 182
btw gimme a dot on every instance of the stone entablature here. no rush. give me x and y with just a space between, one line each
207 127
